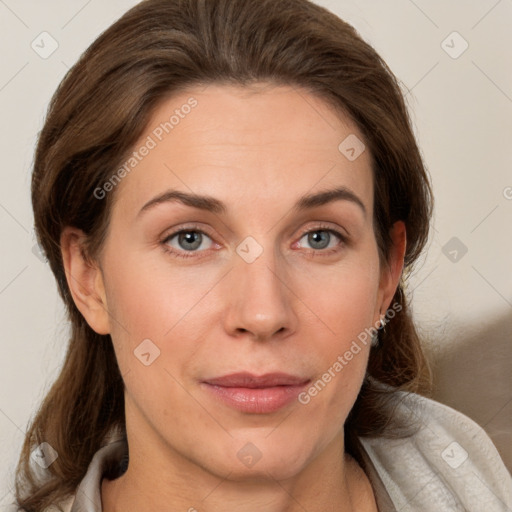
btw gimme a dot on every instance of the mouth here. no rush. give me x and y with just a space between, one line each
256 394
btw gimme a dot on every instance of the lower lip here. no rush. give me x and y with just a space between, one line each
257 400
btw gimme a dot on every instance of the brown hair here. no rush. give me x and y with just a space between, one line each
101 109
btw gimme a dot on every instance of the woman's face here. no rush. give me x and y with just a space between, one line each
228 335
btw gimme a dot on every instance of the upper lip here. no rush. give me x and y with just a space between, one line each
249 380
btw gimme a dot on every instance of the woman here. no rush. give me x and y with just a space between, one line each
230 196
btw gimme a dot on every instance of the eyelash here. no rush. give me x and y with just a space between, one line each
194 254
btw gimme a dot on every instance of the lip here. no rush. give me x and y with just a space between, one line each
255 394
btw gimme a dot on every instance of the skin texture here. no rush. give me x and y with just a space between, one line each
294 309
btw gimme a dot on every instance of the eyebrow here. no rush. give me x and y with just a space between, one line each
216 206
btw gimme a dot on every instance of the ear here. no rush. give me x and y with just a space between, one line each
392 269
85 280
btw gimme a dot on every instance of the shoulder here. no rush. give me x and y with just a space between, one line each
87 496
64 506
448 463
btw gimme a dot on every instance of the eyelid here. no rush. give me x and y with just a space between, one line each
326 226
168 233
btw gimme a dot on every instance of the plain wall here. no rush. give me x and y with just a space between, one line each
462 113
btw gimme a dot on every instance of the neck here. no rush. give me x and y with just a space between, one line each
336 484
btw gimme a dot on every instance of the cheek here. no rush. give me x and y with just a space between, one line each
153 310
178 305
344 296
344 301
148 299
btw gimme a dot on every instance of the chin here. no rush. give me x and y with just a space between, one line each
262 458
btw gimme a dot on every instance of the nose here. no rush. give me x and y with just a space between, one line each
260 302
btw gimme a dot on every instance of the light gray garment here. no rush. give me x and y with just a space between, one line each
449 464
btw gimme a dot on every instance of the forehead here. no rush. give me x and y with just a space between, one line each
240 143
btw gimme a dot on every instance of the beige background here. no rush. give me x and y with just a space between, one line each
462 112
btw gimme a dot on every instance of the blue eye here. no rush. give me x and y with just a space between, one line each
192 242
320 238
188 240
